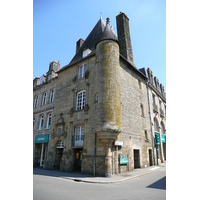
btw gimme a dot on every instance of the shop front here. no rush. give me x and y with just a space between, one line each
41 149
164 145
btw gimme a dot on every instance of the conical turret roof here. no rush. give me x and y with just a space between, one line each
101 31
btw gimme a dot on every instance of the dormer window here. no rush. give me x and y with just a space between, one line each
49 78
86 52
42 80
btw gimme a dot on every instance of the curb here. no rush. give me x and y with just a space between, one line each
108 182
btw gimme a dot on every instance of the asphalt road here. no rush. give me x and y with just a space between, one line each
151 186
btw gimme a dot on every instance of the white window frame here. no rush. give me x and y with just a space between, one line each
41 124
51 99
86 52
44 98
81 71
80 100
48 126
59 144
79 136
36 101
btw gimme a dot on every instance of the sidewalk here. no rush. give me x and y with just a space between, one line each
77 176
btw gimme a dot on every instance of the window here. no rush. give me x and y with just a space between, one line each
79 135
82 70
154 101
48 121
96 97
86 52
145 135
35 101
59 144
59 131
80 103
49 78
142 110
160 104
44 98
33 121
41 122
139 84
41 80
51 96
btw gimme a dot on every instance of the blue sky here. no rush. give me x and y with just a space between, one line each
57 25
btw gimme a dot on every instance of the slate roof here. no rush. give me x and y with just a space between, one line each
101 31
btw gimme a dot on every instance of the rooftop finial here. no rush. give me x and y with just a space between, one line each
107 20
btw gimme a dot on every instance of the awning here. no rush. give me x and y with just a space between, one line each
44 138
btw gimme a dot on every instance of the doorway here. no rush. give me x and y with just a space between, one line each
58 155
136 158
40 154
77 159
150 157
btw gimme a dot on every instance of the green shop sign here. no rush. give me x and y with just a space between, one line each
157 138
44 138
163 138
123 160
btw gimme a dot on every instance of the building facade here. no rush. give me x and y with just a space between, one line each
100 118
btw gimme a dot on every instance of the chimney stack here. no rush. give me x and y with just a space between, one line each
124 38
79 43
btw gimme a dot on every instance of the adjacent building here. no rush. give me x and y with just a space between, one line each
97 114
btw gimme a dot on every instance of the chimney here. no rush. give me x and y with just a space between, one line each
79 43
124 38
150 75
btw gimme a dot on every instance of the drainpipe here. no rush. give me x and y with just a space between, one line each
147 82
94 152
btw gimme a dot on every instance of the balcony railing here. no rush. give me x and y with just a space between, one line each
78 141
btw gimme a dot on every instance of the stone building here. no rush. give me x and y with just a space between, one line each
43 106
157 107
100 119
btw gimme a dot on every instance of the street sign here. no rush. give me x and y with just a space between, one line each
163 138
118 143
157 138
44 138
